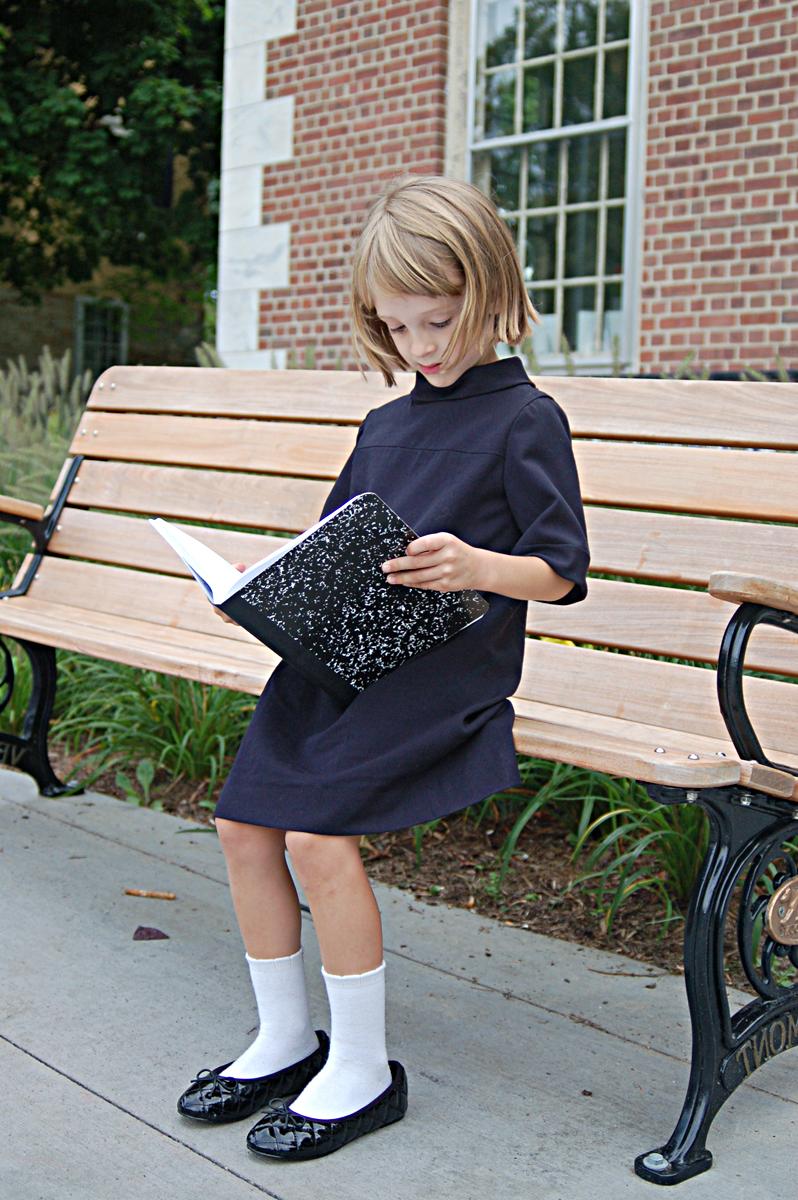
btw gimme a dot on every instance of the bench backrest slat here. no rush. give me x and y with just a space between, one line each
663 410
261 501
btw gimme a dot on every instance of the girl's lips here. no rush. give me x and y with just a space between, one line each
429 370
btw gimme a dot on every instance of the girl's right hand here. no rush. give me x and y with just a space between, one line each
218 611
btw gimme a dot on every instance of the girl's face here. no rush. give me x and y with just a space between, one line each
421 328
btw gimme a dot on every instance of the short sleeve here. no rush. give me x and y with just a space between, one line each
341 489
542 489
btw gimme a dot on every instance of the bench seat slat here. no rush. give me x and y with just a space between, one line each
705 411
668 621
615 753
544 731
74 629
159 600
639 689
723 482
652 692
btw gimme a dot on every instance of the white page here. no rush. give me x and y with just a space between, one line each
216 576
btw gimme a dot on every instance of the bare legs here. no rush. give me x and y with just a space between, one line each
344 909
264 896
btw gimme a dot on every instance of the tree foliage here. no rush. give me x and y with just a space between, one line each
97 99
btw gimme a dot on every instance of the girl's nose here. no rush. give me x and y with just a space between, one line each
420 348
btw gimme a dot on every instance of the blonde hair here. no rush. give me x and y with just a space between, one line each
432 236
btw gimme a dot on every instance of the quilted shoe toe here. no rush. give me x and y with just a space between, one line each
217 1098
283 1134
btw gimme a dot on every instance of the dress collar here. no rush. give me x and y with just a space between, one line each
480 380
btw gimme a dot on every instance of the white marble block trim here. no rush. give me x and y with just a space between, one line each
261 133
256 257
256 360
258 20
244 75
241 198
237 321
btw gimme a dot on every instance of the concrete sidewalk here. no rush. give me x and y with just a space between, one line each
537 1069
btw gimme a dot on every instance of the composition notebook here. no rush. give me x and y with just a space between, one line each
322 601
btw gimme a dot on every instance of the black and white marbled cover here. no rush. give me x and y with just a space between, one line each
325 604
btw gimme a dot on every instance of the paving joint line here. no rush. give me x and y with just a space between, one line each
141 1120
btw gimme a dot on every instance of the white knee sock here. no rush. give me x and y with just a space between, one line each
286 1033
357 1069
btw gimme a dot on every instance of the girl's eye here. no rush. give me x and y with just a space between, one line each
435 325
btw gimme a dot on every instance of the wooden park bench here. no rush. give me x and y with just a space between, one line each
689 484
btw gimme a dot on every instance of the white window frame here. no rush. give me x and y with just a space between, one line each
81 304
597 363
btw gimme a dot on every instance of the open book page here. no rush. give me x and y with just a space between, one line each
216 576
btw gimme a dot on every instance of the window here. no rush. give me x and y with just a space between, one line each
100 334
553 124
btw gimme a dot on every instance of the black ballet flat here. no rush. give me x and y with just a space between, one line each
214 1097
281 1133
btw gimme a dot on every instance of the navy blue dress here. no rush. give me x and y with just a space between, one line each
489 459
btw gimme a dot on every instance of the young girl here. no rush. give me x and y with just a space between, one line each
479 462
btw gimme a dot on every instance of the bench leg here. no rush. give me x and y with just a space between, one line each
29 752
746 859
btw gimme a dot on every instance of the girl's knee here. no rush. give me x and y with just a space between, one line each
245 840
319 858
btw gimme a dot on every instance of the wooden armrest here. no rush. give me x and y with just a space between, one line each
754 589
20 508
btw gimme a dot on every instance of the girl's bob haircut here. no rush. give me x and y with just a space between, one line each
431 236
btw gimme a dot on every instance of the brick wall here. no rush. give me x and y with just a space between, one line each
368 80
720 257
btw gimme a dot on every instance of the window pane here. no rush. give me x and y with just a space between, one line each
613 318
616 183
499 31
614 241
538 94
583 169
617 20
615 83
500 103
578 89
544 334
580 243
580 23
542 174
540 28
579 319
497 172
541 242
512 225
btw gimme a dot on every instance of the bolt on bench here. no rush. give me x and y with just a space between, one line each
691 484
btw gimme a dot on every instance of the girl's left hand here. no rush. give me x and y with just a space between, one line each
439 562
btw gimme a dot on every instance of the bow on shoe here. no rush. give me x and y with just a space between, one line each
209 1076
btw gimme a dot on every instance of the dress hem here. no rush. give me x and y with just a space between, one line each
513 780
